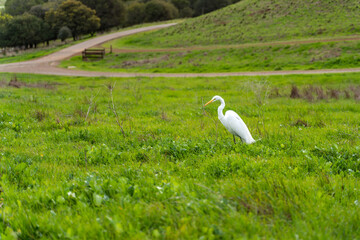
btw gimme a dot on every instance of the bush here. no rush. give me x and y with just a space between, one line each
64 33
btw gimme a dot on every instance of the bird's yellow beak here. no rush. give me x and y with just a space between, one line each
209 102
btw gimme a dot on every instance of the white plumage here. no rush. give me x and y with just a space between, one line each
232 122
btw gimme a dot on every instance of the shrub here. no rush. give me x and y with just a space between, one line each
295 93
64 33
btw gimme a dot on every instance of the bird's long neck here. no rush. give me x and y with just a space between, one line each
220 109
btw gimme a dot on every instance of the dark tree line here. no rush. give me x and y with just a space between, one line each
30 22
42 23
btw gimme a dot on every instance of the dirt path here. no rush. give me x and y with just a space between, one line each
47 64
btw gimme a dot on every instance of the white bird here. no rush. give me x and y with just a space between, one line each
232 122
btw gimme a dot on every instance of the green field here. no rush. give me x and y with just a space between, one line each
301 56
250 21
69 172
30 54
141 158
247 36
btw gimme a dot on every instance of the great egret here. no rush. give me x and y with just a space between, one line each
232 122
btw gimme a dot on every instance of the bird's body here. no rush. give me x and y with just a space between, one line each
233 122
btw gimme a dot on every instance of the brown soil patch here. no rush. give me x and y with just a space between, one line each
312 93
128 64
14 82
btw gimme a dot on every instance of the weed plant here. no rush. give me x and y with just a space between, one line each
68 171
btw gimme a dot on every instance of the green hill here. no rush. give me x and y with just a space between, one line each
259 21
251 35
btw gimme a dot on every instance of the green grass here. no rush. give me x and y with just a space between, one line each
176 173
258 21
246 36
328 55
37 53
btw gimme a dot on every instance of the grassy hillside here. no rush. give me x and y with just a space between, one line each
259 21
68 172
260 35
328 55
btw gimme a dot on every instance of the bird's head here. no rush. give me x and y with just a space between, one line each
215 98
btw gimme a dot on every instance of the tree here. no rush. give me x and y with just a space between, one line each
186 12
50 19
24 30
4 19
38 11
64 33
184 8
3 36
79 18
205 6
18 7
157 10
135 13
111 12
180 4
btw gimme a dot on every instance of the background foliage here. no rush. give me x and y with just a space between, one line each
109 14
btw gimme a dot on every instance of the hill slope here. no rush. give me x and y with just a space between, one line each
260 21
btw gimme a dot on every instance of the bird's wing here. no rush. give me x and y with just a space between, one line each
237 126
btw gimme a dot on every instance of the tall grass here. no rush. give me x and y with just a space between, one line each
69 172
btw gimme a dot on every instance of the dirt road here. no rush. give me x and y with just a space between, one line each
47 64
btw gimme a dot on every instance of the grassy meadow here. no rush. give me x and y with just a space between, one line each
250 21
272 57
247 36
26 55
140 158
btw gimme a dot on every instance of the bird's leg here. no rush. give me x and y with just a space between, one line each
234 139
